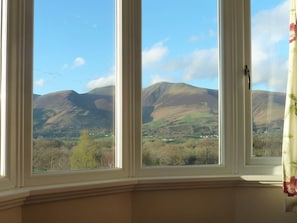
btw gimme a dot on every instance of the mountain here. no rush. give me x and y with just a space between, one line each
181 99
268 110
66 113
175 110
169 109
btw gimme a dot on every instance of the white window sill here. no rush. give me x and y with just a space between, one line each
43 194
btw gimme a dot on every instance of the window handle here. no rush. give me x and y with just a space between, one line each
247 73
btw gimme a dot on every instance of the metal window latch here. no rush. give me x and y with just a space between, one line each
247 73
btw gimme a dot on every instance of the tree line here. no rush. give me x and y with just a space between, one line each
86 153
89 152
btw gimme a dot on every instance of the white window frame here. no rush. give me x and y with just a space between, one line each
19 86
3 24
224 166
7 167
234 19
249 163
235 100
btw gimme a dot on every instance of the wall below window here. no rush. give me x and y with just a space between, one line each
11 215
226 205
158 203
114 208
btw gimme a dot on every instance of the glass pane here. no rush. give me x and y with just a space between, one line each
74 59
180 83
270 44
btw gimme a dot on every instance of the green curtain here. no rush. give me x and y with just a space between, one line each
289 155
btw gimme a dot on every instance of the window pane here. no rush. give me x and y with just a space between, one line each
270 42
180 83
74 59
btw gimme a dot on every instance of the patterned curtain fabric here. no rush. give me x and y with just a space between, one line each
289 155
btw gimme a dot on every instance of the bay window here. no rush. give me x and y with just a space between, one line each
128 88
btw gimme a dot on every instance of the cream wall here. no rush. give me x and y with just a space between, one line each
114 208
261 205
237 205
225 205
183 206
11 215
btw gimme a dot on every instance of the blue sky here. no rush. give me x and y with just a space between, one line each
74 43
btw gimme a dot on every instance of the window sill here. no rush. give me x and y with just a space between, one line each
32 195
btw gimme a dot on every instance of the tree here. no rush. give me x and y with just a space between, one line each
85 155
50 154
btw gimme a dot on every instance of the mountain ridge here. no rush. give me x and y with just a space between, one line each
66 113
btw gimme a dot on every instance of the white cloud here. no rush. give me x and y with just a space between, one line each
101 82
78 62
157 78
39 83
199 64
273 24
202 63
203 36
270 33
154 54
171 65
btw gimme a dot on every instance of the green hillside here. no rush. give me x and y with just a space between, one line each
169 110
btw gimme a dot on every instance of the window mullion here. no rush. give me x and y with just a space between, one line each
229 95
131 69
242 91
19 27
